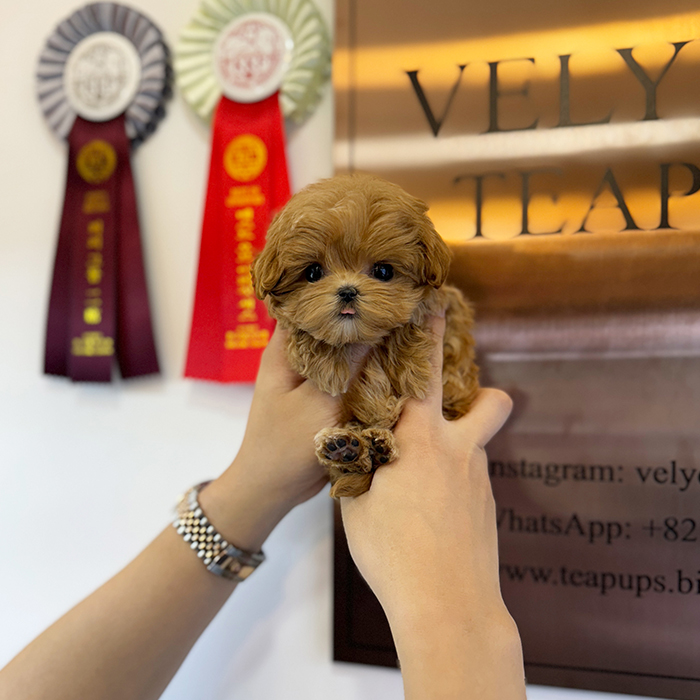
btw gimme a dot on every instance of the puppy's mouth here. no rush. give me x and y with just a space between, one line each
348 311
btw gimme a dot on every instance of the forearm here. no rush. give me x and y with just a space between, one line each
450 658
129 637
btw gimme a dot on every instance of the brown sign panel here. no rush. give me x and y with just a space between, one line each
599 529
361 632
558 146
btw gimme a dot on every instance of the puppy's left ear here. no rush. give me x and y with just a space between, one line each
266 270
436 260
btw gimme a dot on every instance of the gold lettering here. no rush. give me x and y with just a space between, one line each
246 316
244 234
92 344
96 202
248 335
95 229
244 252
92 315
95 243
93 275
93 268
245 214
245 196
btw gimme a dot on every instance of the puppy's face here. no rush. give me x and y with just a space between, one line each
349 259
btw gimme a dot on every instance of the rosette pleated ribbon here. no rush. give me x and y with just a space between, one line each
103 78
249 64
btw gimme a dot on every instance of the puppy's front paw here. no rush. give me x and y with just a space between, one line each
382 446
343 451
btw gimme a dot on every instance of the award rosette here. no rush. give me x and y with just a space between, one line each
249 63
102 81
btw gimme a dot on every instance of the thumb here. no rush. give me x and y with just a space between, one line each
487 415
436 332
416 409
274 367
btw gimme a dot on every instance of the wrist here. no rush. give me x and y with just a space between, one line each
476 656
243 511
416 601
423 623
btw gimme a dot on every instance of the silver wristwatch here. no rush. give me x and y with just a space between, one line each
219 556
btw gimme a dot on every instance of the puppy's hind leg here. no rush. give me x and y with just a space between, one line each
382 446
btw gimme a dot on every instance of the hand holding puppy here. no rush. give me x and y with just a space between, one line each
424 538
276 467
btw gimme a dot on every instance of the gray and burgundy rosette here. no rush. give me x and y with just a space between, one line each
155 84
99 308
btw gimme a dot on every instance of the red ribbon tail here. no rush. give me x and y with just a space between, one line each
248 183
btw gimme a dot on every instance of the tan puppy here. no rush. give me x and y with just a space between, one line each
353 267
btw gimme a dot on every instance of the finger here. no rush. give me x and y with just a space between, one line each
327 407
436 331
487 415
274 367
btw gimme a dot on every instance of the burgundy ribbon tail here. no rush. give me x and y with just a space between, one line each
99 301
136 348
56 349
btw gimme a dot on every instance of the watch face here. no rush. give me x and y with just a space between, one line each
245 571
233 567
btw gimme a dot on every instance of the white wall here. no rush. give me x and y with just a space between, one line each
88 474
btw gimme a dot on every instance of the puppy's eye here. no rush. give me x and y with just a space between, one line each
313 272
383 271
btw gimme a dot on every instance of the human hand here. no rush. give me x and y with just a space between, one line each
276 467
424 536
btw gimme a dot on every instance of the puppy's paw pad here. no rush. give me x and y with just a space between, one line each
344 449
340 451
382 447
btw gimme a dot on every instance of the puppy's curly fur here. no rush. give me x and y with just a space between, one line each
354 267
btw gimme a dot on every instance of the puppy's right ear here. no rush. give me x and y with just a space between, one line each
266 270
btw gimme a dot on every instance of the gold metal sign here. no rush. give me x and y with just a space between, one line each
558 146
560 142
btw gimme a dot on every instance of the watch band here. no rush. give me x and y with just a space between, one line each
219 556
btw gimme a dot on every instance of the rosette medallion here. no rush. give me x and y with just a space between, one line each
102 81
249 63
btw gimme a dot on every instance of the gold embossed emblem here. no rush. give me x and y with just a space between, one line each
96 161
245 157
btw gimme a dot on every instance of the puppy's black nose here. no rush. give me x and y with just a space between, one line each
347 293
